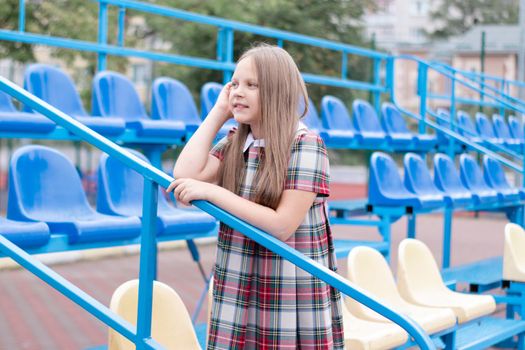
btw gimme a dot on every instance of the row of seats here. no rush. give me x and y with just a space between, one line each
174 113
365 128
115 101
46 198
419 293
450 188
485 131
116 106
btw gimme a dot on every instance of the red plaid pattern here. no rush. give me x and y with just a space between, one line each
261 301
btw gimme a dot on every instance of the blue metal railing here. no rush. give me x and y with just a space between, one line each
224 59
423 68
422 84
225 35
153 178
482 81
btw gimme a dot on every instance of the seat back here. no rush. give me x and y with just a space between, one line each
170 322
471 175
417 176
55 87
443 119
500 127
513 257
335 114
120 188
368 269
171 100
446 176
516 128
365 117
465 125
393 121
494 174
484 126
311 119
209 94
114 95
6 103
417 270
385 181
44 185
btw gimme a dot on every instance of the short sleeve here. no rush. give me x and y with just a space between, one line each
309 168
218 150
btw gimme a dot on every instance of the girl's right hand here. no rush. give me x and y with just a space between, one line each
222 105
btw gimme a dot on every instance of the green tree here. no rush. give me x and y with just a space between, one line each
334 20
72 19
457 16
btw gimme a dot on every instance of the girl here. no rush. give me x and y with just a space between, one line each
272 173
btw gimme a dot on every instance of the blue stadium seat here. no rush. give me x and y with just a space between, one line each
209 94
472 178
115 95
447 180
338 129
467 128
171 100
443 120
516 128
386 188
367 124
418 179
486 129
495 178
311 119
12 120
397 129
503 132
25 234
45 186
120 192
56 88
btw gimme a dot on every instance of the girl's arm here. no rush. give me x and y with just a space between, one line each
280 223
195 161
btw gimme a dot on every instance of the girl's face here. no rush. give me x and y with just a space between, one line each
244 94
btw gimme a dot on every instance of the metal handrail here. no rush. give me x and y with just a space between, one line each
155 176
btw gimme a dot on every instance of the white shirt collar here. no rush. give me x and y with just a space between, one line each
260 142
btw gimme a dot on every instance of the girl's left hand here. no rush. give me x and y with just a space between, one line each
187 190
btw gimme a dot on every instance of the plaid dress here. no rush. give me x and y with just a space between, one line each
261 301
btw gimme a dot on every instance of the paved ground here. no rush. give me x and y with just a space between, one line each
34 316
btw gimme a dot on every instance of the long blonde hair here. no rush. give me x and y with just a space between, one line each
281 91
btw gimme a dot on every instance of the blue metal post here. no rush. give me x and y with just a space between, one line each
390 76
377 81
384 230
280 42
344 65
447 236
411 226
148 247
228 55
422 71
502 95
102 33
154 154
121 22
220 44
452 115
21 16
523 155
